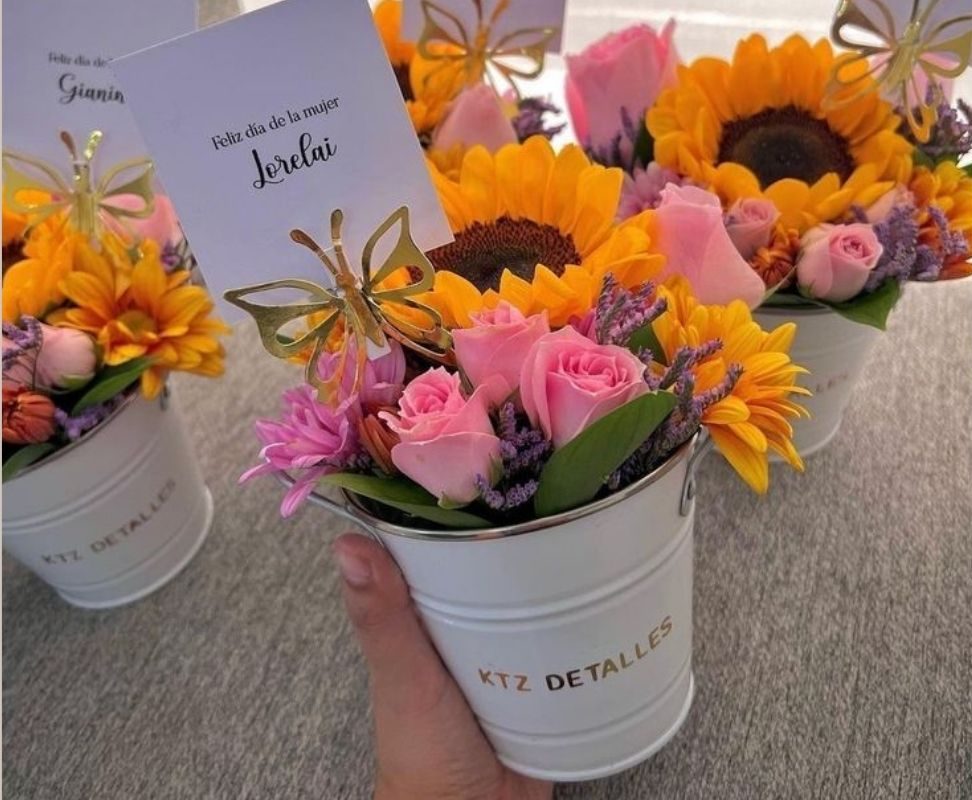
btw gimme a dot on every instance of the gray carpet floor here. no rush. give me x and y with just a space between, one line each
832 621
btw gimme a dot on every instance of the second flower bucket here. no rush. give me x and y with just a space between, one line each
570 636
116 515
834 350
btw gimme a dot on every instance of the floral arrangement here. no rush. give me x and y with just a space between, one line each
453 108
573 371
88 318
766 182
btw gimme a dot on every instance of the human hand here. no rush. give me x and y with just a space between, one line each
429 745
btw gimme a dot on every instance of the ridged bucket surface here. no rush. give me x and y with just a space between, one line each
834 350
115 516
572 643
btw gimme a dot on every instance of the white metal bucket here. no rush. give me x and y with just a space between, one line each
116 515
834 350
570 636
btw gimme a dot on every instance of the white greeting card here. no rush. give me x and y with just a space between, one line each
518 15
268 123
56 76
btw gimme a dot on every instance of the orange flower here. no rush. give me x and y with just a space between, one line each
28 417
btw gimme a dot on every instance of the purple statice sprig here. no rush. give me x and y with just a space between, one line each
530 119
524 451
24 343
951 135
74 427
620 313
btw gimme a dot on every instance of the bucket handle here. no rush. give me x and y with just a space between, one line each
704 447
343 510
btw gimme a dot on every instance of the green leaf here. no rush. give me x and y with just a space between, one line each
73 383
405 496
644 147
645 339
110 382
24 457
871 309
576 472
779 299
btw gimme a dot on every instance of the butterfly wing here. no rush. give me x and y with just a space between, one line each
392 287
140 186
521 54
442 27
22 173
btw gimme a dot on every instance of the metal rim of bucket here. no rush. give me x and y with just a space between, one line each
694 449
89 435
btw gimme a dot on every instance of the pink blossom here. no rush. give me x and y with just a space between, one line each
836 260
569 382
691 233
623 72
476 116
642 189
66 357
750 224
492 351
447 441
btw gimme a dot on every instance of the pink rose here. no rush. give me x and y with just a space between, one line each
878 210
750 224
624 71
476 116
691 233
447 442
836 260
161 226
67 356
569 382
492 351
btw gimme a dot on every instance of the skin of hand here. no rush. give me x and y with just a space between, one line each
429 745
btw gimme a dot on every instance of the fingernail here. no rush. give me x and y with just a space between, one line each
354 569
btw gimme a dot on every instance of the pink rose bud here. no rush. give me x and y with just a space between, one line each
492 351
625 70
161 226
750 224
691 233
836 260
476 116
569 382
67 356
447 441
878 210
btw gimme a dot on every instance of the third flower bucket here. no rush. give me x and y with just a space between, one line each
115 515
570 636
834 350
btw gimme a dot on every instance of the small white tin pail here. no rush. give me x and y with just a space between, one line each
570 636
834 350
117 514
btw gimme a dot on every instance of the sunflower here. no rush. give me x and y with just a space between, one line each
762 127
428 85
31 286
136 309
537 229
948 188
754 418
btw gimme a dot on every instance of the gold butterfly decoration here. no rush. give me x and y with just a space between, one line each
516 55
86 200
369 312
894 55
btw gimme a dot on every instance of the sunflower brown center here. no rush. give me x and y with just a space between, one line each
481 252
404 83
786 142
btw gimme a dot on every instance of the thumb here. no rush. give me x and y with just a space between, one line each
395 645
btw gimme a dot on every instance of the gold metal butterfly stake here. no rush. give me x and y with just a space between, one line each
86 200
515 55
370 308
895 54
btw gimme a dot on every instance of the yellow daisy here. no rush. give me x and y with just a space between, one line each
31 286
760 126
136 309
754 418
535 228
949 189
428 85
